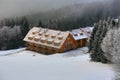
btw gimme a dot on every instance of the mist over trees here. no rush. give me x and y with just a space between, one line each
115 7
111 47
99 32
11 8
12 32
66 18
107 44
9 37
111 44
77 15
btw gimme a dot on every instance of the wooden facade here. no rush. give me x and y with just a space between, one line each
49 41
81 36
82 42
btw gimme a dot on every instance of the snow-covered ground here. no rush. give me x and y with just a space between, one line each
73 65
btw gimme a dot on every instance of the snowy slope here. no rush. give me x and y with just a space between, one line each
9 52
71 65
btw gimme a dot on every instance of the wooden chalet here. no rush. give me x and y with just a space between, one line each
48 41
81 36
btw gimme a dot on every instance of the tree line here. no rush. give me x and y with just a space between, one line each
92 13
12 32
99 33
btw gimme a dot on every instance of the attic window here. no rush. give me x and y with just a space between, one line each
31 37
75 34
81 33
57 42
88 32
43 40
40 33
53 35
47 34
34 32
60 37
37 38
49 41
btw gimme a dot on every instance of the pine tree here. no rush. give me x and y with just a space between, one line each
90 46
107 44
95 49
40 23
24 26
111 47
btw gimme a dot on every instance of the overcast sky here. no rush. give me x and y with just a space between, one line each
17 7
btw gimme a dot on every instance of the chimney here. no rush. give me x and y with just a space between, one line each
45 30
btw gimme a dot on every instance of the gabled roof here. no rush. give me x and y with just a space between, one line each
46 37
81 33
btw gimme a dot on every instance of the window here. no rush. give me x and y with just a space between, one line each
55 49
34 32
47 34
75 34
74 47
81 33
71 42
53 35
40 33
57 42
36 45
60 37
37 38
43 40
50 41
43 46
30 37
68 38
67 44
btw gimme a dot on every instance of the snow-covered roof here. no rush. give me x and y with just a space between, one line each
81 33
46 37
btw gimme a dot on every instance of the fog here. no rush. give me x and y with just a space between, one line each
10 8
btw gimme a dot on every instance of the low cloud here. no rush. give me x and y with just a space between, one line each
10 8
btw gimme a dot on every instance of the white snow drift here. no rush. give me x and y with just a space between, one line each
73 65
